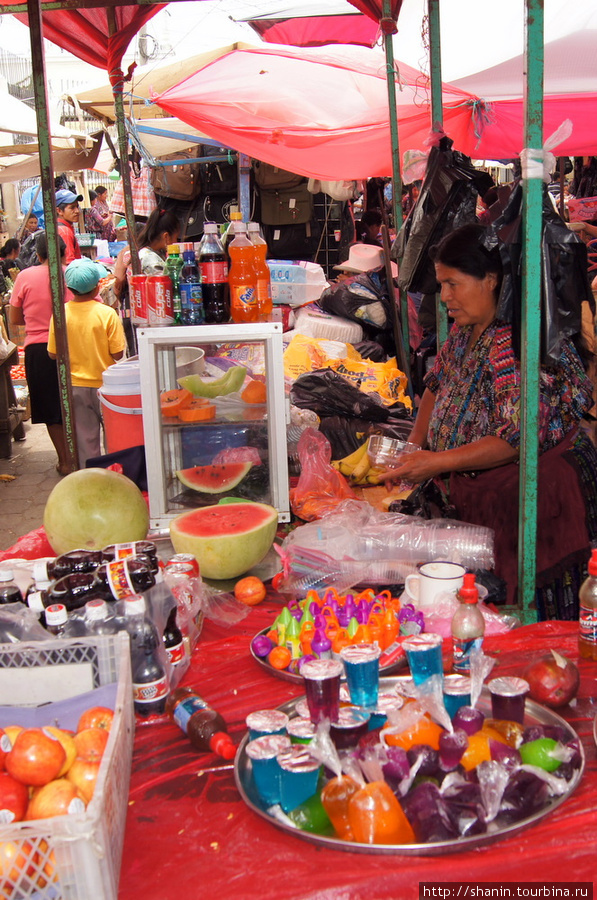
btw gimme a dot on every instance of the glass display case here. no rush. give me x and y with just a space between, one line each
214 417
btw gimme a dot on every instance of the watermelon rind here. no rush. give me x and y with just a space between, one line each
214 479
232 553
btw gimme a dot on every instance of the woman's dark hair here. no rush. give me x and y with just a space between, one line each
10 246
371 217
41 246
463 249
160 220
92 196
100 189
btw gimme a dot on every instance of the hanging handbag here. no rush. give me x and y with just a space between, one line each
181 181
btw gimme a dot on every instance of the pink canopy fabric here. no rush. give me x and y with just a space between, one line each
373 8
323 112
85 32
315 31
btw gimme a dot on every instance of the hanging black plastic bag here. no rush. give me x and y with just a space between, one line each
329 394
564 282
448 200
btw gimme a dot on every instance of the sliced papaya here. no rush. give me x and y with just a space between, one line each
198 410
171 402
254 392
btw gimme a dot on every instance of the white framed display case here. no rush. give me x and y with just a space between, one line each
173 446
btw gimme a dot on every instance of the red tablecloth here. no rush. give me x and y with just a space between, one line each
189 834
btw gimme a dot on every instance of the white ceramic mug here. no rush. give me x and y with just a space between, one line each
431 579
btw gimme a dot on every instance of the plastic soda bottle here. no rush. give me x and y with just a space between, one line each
587 600
468 625
242 278
264 281
150 682
191 297
213 265
9 589
204 727
173 640
172 269
228 236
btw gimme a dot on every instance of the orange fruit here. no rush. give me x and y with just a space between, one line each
250 590
279 657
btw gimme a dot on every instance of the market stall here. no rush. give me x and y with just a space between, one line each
191 801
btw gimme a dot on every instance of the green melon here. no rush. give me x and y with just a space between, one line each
214 479
231 381
226 539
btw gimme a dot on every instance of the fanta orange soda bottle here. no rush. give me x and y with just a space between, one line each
264 281
242 278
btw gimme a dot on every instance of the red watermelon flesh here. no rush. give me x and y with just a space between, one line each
227 539
214 479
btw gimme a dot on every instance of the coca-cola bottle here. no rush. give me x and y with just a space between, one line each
173 640
213 267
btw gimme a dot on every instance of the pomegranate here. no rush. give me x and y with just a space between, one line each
553 679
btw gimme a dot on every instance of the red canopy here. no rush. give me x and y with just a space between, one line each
373 8
86 34
315 31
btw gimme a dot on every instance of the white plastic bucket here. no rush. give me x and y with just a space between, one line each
120 397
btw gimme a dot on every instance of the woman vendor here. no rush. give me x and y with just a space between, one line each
468 427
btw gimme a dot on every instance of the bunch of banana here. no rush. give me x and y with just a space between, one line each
357 468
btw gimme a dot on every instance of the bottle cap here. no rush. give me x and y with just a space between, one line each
235 215
56 614
40 570
96 610
469 592
173 248
6 575
35 601
593 562
221 743
134 605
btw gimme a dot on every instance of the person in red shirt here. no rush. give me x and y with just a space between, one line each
67 208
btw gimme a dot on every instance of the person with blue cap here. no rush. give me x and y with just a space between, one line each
96 340
67 213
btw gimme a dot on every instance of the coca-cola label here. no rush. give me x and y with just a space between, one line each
214 271
151 691
119 579
175 654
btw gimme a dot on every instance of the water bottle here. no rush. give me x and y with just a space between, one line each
587 601
191 298
213 266
468 625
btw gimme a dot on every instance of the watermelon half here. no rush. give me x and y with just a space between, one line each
227 539
214 479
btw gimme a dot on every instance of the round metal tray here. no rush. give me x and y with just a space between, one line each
285 675
534 714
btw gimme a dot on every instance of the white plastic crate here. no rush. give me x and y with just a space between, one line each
72 857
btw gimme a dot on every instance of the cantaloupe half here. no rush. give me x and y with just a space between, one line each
227 539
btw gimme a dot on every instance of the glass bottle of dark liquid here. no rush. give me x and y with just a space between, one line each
173 640
121 578
10 592
139 549
73 591
213 267
150 682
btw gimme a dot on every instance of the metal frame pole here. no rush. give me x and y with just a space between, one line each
531 314
48 191
437 119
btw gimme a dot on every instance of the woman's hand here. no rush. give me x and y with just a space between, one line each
415 468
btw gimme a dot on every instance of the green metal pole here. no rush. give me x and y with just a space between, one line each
437 118
396 177
123 146
54 260
531 314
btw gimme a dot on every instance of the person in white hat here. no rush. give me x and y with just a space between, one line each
364 258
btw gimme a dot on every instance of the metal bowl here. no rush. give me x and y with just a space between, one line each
387 452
